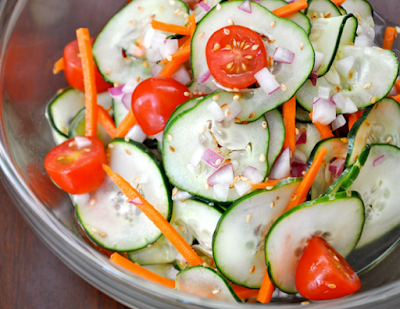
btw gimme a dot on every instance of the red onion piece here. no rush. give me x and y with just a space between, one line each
127 100
216 112
156 69
241 187
245 6
258 1
297 170
197 155
182 76
205 6
324 111
313 77
181 196
298 158
337 166
136 201
379 160
204 77
281 168
212 158
130 85
302 137
346 105
235 109
170 47
116 92
283 55
223 176
267 81
324 93
318 61
221 192
136 134
82 142
252 174
364 41
339 122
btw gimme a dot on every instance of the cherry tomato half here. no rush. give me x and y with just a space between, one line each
234 54
154 100
77 171
73 69
322 274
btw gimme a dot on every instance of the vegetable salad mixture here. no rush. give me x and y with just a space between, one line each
234 150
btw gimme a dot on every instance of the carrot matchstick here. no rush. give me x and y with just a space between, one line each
289 117
126 124
322 128
291 8
106 121
58 66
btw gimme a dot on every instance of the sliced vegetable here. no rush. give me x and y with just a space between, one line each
289 116
322 128
171 28
58 66
106 121
291 8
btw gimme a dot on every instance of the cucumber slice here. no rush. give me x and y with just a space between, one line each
378 125
374 68
313 137
302 115
285 33
111 222
377 184
126 27
299 18
335 187
164 270
205 282
325 7
64 106
120 111
180 109
77 128
243 144
339 218
327 34
242 229
362 9
337 148
276 128
343 11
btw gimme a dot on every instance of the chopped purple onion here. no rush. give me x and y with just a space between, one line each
156 69
204 77
136 134
313 77
339 122
252 174
283 55
136 201
127 100
302 137
379 160
235 109
182 76
245 6
181 196
318 61
324 111
297 170
241 187
212 158
267 81
197 155
337 166
205 6
281 167
223 176
116 92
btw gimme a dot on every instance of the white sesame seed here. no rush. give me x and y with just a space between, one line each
202 129
251 271
172 2
389 140
219 7
218 162
262 158
216 291
161 8
273 24
92 202
368 85
126 139
175 191
248 218
283 87
137 179
128 152
71 144
94 230
227 112
301 45
216 97
207 186
272 204
111 146
186 94
169 57
269 187
297 131
201 35
293 198
236 97
102 234
374 99
182 228
206 264
305 302
108 71
264 124
169 136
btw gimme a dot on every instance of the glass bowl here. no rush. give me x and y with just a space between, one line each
32 37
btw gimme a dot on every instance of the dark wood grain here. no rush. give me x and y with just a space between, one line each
31 276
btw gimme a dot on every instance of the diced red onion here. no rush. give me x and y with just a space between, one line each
302 137
212 158
223 176
221 192
379 160
116 92
283 55
318 61
153 55
82 142
170 47
313 77
197 154
182 76
324 93
136 201
281 167
127 100
258 1
158 40
245 6
156 69
344 66
204 77
148 37
337 166
324 111
346 105
267 81
205 6
241 187
235 109
297 170
332 76
299 157
136 134
181 196
130 85
216 112
339 122
252 174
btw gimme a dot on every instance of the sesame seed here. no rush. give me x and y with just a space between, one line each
305 302
356 157
248 218
175 191
219 7
273 24
226 31
218 162
236 89
146 64
92 202
337 88
199 98
255 47
368 85
351 73
227 112
108 71
206 264
182 228
237 119
202 129
201 35
94 230
272 204
304 173
207 186
277 198
328 14
216 291
128 152
111 146
230 21
297 131
140 9
116 84
374 99
161 9
314 15
169 57
60 90
344 140
138 79
367 123
86 150
252 270
137 179
236 97
269 187
102 234
264 124
301 45
283 87
126 139
252 115
172 148
216 97
262 158
271 41
186 94
217 46
321 15
293 198
332 286
71 144
389 139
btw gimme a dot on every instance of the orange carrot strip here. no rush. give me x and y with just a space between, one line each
181 53
322 128
172 66
338 2
192 24
351 120
389 37
85 49
141 271
300 195
245 293
154 215
266 290
126 124
183 40
289 117
291 8
397 85
58 66
264 185
106 121
397 98
171 28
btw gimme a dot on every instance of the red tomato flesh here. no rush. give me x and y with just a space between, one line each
73 69
234 54
322 274
154 100
77 171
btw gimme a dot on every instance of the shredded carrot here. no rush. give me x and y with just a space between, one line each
172 66
322 128
183 40
266 290
352 119
126 124
397 98
264 185
106 121
85 49
171 28
397 85
154 215
184 52
300 195
141 271
289 117
291 8
389 37
245 293
192 24
58 66
338 2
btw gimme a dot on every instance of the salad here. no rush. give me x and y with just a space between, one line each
234 150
